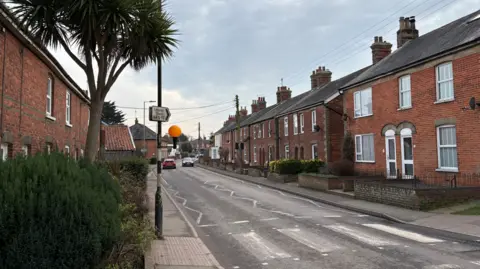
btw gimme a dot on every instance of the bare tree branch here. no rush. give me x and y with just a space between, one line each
72 55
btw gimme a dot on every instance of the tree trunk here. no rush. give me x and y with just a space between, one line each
93 134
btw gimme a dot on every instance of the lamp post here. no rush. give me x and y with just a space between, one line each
145 128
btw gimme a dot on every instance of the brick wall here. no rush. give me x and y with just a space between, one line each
151 148
261 143
335 129
24 103
424 115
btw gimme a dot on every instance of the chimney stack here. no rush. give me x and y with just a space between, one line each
407 31
243 112
262 104
320 77
254 106
380 49
283 93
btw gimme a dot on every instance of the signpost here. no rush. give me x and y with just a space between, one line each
159 114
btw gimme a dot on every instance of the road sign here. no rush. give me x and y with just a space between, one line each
158 113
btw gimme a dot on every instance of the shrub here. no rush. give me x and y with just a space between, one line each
135 166
348 147
343 168
153 160
272 165
288 167
312 166
56 213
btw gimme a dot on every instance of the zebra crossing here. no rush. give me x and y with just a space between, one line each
264 248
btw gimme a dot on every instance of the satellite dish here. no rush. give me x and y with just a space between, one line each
473 104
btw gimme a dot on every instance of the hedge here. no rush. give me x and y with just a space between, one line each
292 167
56 213
312 166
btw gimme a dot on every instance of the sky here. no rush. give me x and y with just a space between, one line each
245 47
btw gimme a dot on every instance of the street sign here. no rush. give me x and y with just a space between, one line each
158 113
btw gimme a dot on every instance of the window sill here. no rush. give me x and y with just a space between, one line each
359 117
444 101
50 118
365 161
68 125
404 108
447 170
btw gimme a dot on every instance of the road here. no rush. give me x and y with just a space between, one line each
249 226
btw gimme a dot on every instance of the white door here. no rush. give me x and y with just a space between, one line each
391 156
407 153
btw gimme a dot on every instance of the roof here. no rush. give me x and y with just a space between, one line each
8 20
118 138
318 96
449 37
279 108
224 127
137 132
254 117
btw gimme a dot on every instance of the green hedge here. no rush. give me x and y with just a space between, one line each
292 167
153 160
312 166
56 213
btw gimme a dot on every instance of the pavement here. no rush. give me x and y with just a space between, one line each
181 247
249 225
458 225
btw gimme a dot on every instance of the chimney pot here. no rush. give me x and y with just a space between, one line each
407 31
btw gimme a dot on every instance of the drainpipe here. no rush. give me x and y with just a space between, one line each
22 52
3 76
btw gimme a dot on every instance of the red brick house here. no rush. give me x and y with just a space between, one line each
409 113
41 107
118 142
146 138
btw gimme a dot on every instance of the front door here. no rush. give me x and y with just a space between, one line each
407 156
391 157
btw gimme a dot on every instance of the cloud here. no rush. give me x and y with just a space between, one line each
245 47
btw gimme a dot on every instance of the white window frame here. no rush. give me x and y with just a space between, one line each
81 153
440 167
295 124
402 90
49 108
269 128
263 130
358 107
285 126
361 149
287 151
254 132
4 148
49 148
68 108
314 119
67 150
313 151
259 134
438 82
302 123
254 154
25 150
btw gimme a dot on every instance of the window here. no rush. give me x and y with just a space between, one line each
447 147
68 108
26 150
363 103
245 152
287 152
364 148
405 92
302 123
285 126
259 131
254 154
254 132
445 82
67 150
49 97
49 148
295 124
314 152
314 120
263 130
4 149
88 117
270 153
269 129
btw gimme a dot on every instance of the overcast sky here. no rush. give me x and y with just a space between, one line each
245 47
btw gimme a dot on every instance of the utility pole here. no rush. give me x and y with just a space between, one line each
237 131
198 141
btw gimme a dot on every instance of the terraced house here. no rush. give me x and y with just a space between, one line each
41 107
410 113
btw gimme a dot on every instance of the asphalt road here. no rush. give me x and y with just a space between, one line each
249 226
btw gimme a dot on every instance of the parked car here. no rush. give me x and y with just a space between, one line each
187 162
169 164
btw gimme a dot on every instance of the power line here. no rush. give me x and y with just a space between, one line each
181 108
213 113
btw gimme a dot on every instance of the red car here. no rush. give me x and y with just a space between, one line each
169 164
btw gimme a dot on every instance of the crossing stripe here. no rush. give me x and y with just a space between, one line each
442 266
310 239
259 247
403 233
361 236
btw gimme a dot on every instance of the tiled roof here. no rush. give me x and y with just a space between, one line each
257 115
118 138
280 107
453 35
137 132
318 96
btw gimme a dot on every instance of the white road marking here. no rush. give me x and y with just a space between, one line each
265 263
442 266
236 267
239 222
232 193
403 233
362 216
281 193
303 217
310 239
269 219
184 200
207 225
200 214
475 262
296 259
261 248
282 213
364 237
332 216
258 186
248 199
325 254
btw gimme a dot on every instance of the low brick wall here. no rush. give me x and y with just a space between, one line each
282 178
319 182
254 172
417 199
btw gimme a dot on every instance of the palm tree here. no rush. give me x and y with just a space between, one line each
111 34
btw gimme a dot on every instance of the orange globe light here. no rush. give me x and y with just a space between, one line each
174 131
